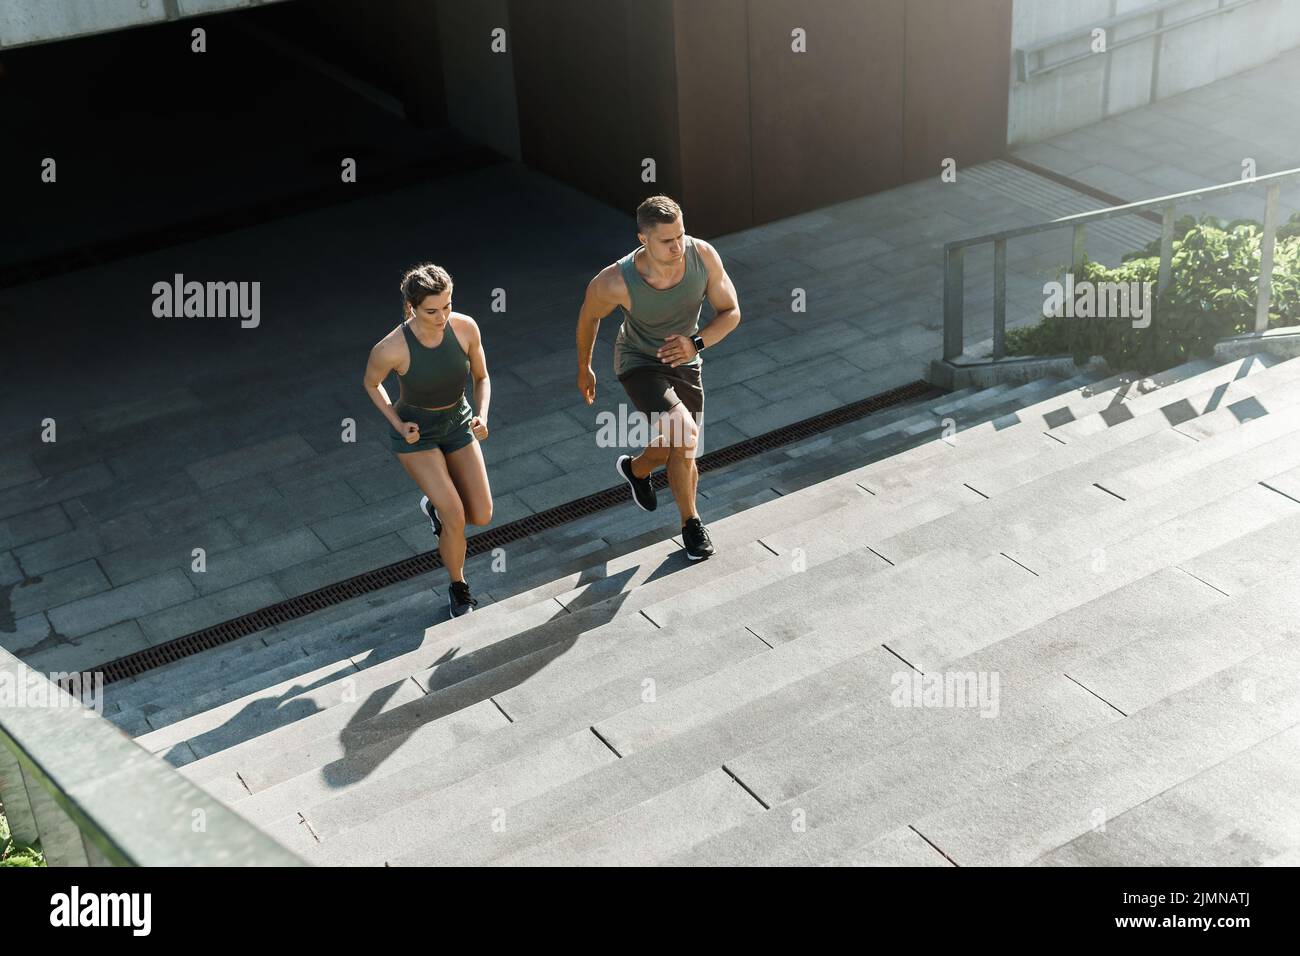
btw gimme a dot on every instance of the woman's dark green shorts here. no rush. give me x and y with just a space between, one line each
445 428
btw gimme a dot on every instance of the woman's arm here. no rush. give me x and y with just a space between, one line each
482 383
381 362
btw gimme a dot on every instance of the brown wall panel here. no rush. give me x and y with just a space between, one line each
827 123
713 114
958 82
596 86
743 129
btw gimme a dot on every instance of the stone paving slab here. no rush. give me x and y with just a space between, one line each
88 541
73 654
126 602
1122 765
58 587
161 552
33 525
212 608
353 560
1200 822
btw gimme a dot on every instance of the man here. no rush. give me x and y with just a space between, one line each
660 287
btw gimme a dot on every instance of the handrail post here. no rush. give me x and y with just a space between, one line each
1167 223
1077 255
999 298
61 840
1267 247
954 304
13 794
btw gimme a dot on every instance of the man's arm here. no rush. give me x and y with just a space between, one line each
722 296
601 299
721 293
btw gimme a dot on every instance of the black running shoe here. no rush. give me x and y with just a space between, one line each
461 601
427 507
696 539
643 492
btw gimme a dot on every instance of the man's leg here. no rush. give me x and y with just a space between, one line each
652 457
681 479
682 435
646 393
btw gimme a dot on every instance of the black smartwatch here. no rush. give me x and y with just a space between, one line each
698 342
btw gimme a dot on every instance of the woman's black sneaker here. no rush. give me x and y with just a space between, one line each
696 539
432 513
643 492
461 601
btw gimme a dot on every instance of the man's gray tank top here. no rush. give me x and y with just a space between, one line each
657 313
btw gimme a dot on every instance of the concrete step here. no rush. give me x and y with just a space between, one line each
1199 822
364 782
790 472
1056 412
1080 535
940 767
1000 450
1166 611
393 627
1048 710
1123 765
699 704
1081 464
667 823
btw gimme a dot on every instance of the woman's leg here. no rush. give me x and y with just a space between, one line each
469 475
430 471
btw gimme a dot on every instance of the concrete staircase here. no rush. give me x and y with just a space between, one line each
1112 562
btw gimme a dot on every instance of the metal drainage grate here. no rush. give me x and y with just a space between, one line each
296 607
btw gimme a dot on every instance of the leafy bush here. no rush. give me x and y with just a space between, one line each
1212 295
16 854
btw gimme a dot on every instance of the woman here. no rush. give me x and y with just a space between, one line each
433 431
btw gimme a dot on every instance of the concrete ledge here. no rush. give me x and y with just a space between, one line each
976 369
958 374
95 796
1283 343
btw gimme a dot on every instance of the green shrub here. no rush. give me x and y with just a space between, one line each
16 854
1212 295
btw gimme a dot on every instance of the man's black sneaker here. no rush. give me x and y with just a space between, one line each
643 492
696 539
432 513
461 601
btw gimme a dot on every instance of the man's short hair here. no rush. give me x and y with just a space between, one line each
656 211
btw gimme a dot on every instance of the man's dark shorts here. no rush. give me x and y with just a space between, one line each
654 390
659 389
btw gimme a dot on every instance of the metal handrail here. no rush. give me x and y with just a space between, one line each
1026 69
954 253
93 796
